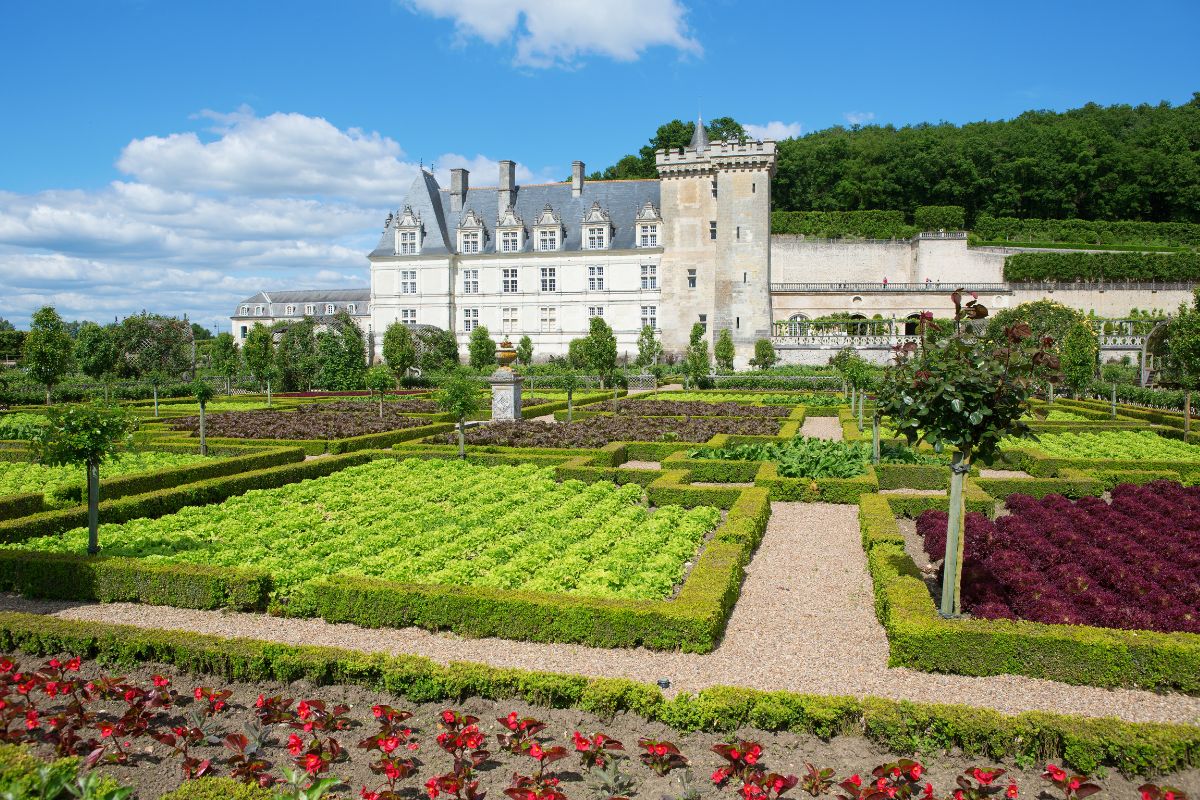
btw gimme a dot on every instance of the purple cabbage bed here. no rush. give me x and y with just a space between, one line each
295 425
1134 564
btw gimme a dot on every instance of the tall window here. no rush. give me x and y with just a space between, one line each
470 241
649 276
351 307
508 280
549 279
408 316
245 311
712 229
508 320
258 311
650 316
595 311
309 310
330 308
470 281
509 241
704 322
408 281
408 243
691 276
648 236
595 238
290 311
470 319
547 240
548 318
714 187
595 279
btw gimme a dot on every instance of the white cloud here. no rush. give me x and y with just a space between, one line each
558 32
283 201
859 117
774 130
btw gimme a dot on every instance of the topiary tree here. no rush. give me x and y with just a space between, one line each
203 392
259 353
965 393
48 352
650 349
458 396
525 351
601 348
1183 350
764 354
379 380
399 348
226 360
724 351
570 382
1079 355
481 349
96 353
696 362
87 436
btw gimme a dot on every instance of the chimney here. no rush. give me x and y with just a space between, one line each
506 196
458 188
576 178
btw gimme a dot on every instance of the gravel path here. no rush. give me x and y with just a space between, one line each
822 427
641 465
1003 473
804 623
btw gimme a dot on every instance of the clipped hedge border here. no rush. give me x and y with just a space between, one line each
919 638
912 505
898 726
62 576
21 505
913 476
813 490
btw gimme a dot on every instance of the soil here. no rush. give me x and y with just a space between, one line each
154 771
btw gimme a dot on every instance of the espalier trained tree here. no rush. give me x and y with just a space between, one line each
964 392
85 435
458 396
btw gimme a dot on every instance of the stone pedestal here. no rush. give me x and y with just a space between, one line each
506 395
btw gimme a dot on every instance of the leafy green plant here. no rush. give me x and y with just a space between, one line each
48 353
399 348
459 397
805 457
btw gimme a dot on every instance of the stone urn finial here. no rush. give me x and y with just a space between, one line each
506 354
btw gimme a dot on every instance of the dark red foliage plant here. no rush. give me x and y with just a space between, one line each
395 746
462 739
596 750
1071 787
521 731
661 756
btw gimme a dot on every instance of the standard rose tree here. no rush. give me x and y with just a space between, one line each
966 393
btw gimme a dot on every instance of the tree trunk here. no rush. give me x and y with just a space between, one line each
862 401
381 405
462 440
156 399
1187 413
203 441
1114 400
228 387
951 605
47 394
93 490
1050 394
268 392
570 394
875 439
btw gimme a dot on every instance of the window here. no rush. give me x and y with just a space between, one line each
595 238
649 276
548 318
245 311
648 236
470 319
329 308
290 311
547 240
408 281
510 241
704 322
258 311
508 320
243 336
714 187
549 279
691 279
595 311
351 307
650 316
470 281
470 241
408 243
712 229
508 282
595 279
309 309
408 316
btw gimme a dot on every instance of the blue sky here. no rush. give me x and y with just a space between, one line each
177 156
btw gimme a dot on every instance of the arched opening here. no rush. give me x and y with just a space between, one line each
855 328
798 325
911 324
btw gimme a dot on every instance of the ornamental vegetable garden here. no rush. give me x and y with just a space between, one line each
1124 445
20 476
441 522
295 424
599 431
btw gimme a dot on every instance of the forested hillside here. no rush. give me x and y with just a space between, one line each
1094 163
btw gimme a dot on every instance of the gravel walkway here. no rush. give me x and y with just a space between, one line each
822 427
804 623
641 465
1003 473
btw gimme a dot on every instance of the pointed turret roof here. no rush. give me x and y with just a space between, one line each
700 137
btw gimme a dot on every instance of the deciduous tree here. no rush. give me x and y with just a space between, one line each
723 351
481 350
399 348
48 354
459 397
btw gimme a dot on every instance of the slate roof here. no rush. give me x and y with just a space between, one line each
621 199
276 301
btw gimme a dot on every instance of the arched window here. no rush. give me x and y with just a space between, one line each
911 324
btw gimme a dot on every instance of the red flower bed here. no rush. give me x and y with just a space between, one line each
1134 564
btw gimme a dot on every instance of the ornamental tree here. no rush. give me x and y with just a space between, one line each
379 380
965 393
569 380
85 435
437 349
601 348
481 349
48 352
1079 354
96 352
399 348
650 349
724 351
525 351
203 392
1183 350
297 356
259 353
458 396
696 362
226 360
764 354
342 354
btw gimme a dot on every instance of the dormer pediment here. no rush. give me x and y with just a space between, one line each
408 218
597 215
510 219
548 217
648 213
470 220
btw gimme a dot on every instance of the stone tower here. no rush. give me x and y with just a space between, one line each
716 263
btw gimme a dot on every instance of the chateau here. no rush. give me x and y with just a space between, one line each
692 246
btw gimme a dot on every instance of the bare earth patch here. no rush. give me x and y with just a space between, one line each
822 428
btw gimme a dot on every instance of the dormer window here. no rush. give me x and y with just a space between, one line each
258 311
511 230
350 307
510 241
548 231
647 222
469 241
309 309
647 236
471 234
408 233
245 311
597 228
329 308
289 311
